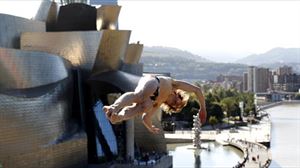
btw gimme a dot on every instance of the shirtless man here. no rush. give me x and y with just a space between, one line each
152 93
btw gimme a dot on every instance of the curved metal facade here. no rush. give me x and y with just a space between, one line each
80 48
133 53
107 17
89 50
35 109
112 50
26 69
48 12
11 28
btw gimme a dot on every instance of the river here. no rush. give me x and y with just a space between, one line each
285 142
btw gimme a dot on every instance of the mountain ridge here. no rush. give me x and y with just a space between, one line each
185 65
275 55
171 52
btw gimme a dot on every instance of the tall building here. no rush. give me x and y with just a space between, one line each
250 81
287 82
245 82
285 70
258 79
262 79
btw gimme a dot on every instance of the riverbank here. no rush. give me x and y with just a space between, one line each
252 140
274 104
284 150
260 133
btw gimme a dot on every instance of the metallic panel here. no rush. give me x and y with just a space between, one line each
80 48
67 154
133 53
26 124
76 17
135 69
112 50
36 124
107 17
100 51
11 28
124 81
26 69
47 12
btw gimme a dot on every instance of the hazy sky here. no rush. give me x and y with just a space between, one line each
218 30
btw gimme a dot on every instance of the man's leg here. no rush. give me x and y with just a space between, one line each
145 88
127 113
126 99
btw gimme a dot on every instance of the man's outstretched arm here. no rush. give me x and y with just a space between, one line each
147 120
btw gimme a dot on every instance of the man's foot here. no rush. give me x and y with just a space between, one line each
111 114
109 110
115 118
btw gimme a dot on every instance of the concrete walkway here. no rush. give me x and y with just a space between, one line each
255 154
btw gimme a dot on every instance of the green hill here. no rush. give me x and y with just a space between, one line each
185 65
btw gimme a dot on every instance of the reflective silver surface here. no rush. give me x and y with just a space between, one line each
112 50
80 48
48 12
133 53
67 154
107 17
26 69
11 28
35 110
100 51
28 123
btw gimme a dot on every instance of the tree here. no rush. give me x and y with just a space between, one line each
216 110
212 121
297 96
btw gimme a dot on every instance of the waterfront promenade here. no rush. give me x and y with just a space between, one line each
246 138
255 154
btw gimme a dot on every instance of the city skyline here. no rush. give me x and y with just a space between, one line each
223 31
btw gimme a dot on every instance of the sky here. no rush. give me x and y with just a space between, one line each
220 30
